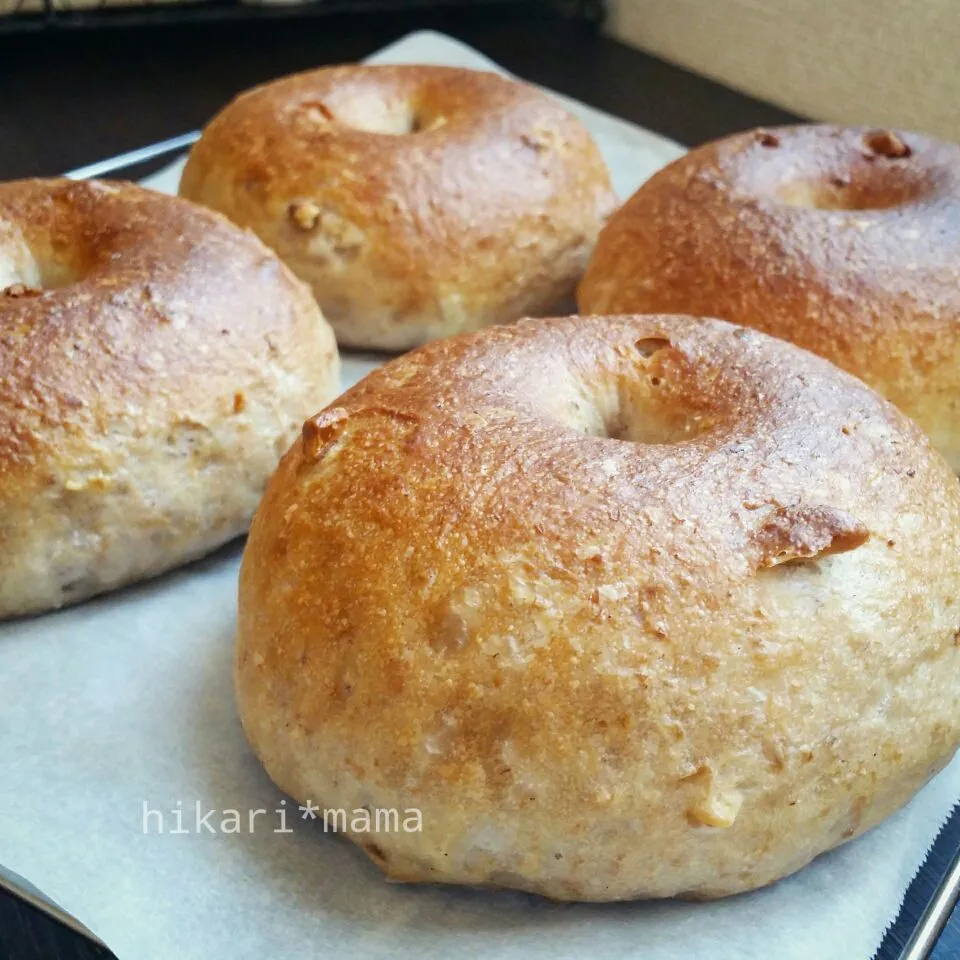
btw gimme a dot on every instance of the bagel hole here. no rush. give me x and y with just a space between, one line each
841 192
373 113
20 277
634 414
47 276
55 274
655 425
33 275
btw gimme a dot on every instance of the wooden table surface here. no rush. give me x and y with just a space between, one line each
71 97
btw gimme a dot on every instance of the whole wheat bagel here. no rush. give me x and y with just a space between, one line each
155 361
625 607
845 241
417 201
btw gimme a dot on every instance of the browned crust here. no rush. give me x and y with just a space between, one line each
586 659
487 212
147 346
873 288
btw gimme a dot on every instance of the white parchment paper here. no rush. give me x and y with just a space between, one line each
126 704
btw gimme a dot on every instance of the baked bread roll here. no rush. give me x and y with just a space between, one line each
845 241
625 607
155 362
417 201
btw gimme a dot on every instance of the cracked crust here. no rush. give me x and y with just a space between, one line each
155 361
844 241
417 201
627 607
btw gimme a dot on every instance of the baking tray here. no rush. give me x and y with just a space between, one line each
912 936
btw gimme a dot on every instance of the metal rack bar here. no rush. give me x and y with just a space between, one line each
934 919
140 155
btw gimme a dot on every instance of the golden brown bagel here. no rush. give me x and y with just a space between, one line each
845 241
155 361
633 607
417 201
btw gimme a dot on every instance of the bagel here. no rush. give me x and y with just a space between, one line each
844 241
625 607
155 362
417 201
